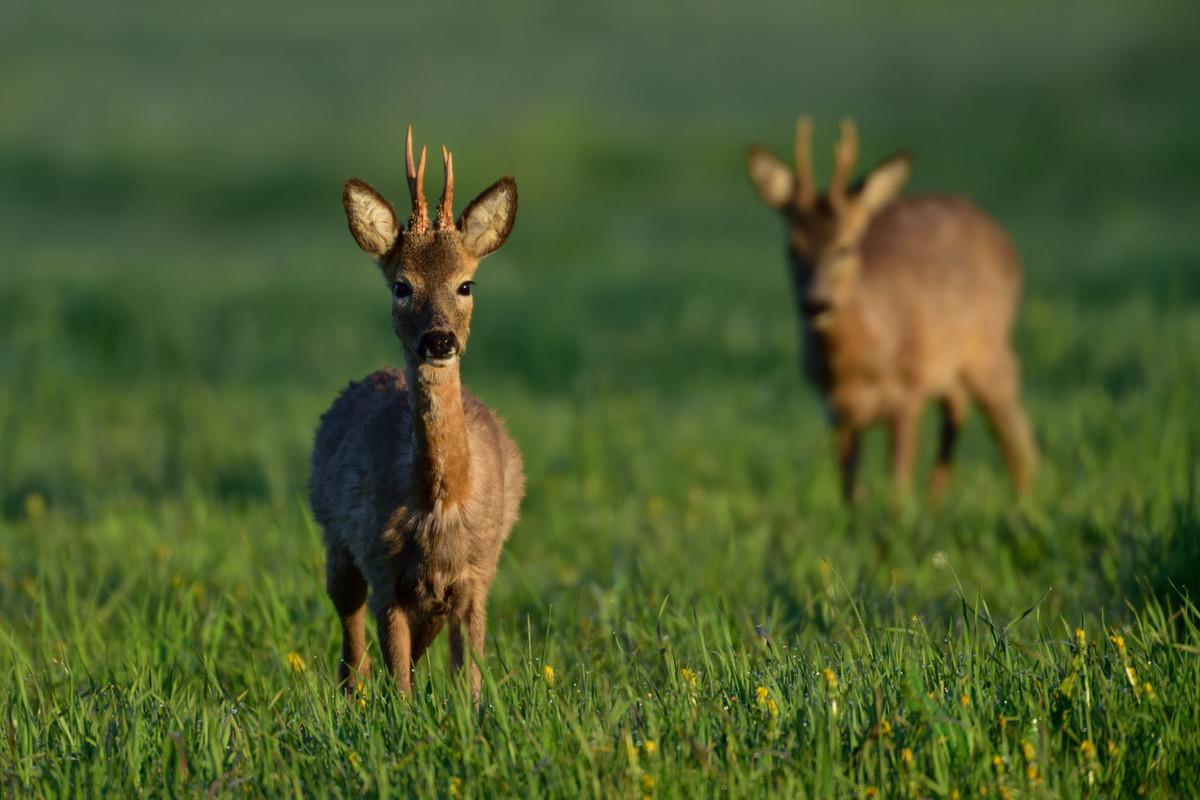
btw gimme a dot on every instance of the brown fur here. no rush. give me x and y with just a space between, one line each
415 483
902 300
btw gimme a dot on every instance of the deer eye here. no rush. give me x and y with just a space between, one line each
401 290
464 288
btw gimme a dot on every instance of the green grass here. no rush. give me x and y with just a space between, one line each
179 300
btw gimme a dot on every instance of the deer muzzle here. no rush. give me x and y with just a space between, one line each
438 347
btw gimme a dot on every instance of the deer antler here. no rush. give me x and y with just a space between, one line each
445 212
845 153
806 193
419 222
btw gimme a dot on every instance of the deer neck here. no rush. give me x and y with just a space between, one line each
441 456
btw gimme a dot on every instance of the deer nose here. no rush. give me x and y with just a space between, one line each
815 306
438 344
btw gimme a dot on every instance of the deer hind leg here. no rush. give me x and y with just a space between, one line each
998 391
846 440
954 414
905 427
348 590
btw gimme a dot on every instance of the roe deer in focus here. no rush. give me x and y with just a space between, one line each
902 300
414 481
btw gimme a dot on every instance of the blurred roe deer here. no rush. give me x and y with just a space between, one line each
901 300
414 481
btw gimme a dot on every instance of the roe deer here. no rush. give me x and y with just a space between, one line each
415 482
901 300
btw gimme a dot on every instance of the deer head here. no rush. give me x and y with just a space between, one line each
430 268
826 230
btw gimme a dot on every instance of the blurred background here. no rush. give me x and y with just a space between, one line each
180 299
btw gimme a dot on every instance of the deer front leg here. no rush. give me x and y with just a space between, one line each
456 646
954 413
905 429
348 590
846 445
476 630
395 639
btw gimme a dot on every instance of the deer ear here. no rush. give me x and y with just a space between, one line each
372 219
488 220
772 179
884 183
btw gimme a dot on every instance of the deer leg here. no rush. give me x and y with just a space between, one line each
905 430
395 639
424 631
846 440
477 630
999 395
954 413
456 646
348 590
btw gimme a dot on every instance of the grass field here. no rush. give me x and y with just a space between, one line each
685 608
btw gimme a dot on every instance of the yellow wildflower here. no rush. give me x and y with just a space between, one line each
964 700
1119 642
1028 750
1080 637
885 728
647 782
1148 690
1003 722
353 759
1132 676
360 692
650 746
830 677
997 763
690 679
455 786
1032 773
906 756
766 703
870 791
296 662
1087 749
954 794
548 675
